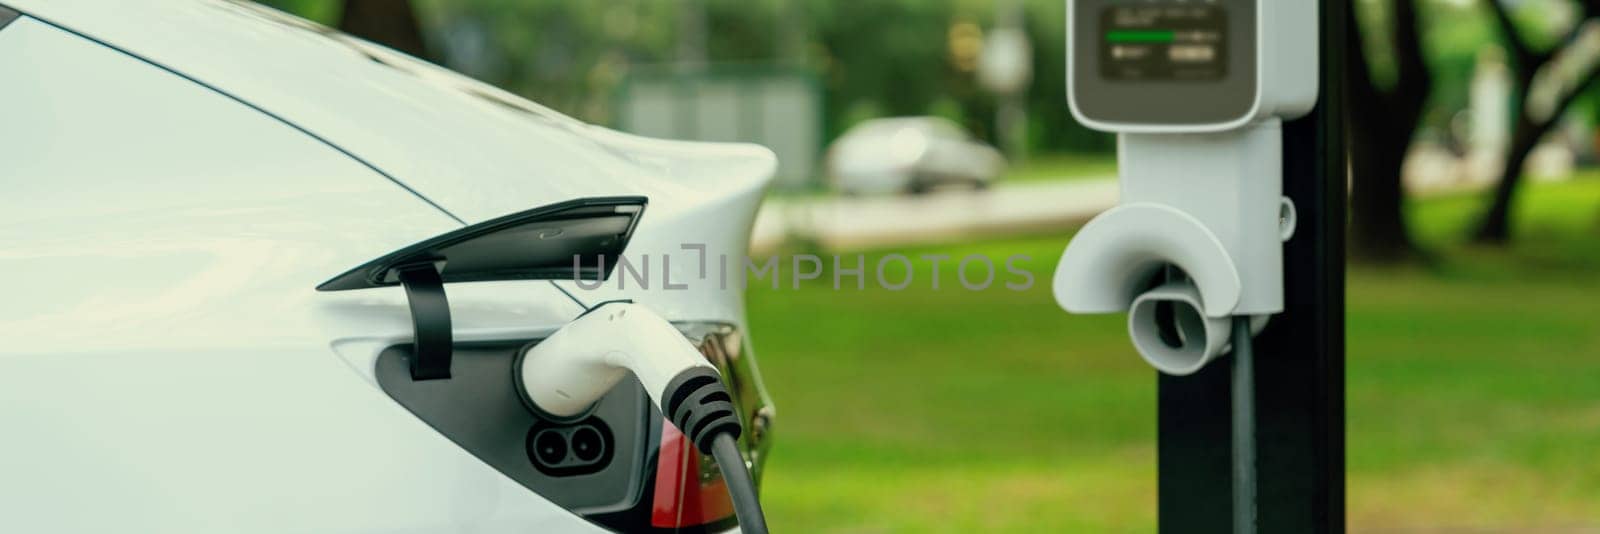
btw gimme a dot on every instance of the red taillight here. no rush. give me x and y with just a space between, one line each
686 493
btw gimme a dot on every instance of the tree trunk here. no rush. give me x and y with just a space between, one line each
1382 124
1379 231
1495 226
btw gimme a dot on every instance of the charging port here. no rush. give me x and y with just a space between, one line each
570 449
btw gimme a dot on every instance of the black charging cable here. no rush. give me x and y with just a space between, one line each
698 403
741 487
1244 429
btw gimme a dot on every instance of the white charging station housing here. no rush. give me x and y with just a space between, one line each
1196 90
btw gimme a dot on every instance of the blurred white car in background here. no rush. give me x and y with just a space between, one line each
910 154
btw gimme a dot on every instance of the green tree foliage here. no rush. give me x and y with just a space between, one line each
1559 30
324 11
874 57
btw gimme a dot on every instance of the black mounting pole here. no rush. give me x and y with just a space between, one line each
1299 358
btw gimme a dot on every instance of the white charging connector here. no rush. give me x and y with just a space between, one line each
569 371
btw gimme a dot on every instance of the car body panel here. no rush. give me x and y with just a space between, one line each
474 150
161 285
171 207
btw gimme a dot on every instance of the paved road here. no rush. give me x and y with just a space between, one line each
854 222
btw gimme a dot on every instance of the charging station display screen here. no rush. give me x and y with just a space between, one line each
1164 42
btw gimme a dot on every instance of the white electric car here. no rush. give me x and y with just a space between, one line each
910 155
260 276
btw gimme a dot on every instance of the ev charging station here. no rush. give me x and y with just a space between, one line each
1226 246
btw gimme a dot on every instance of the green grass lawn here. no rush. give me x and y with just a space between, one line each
1474 393
1044 167
1063 167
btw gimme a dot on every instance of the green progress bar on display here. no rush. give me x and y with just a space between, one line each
1140 36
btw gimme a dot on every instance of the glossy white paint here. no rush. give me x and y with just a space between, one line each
477 151
167 366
